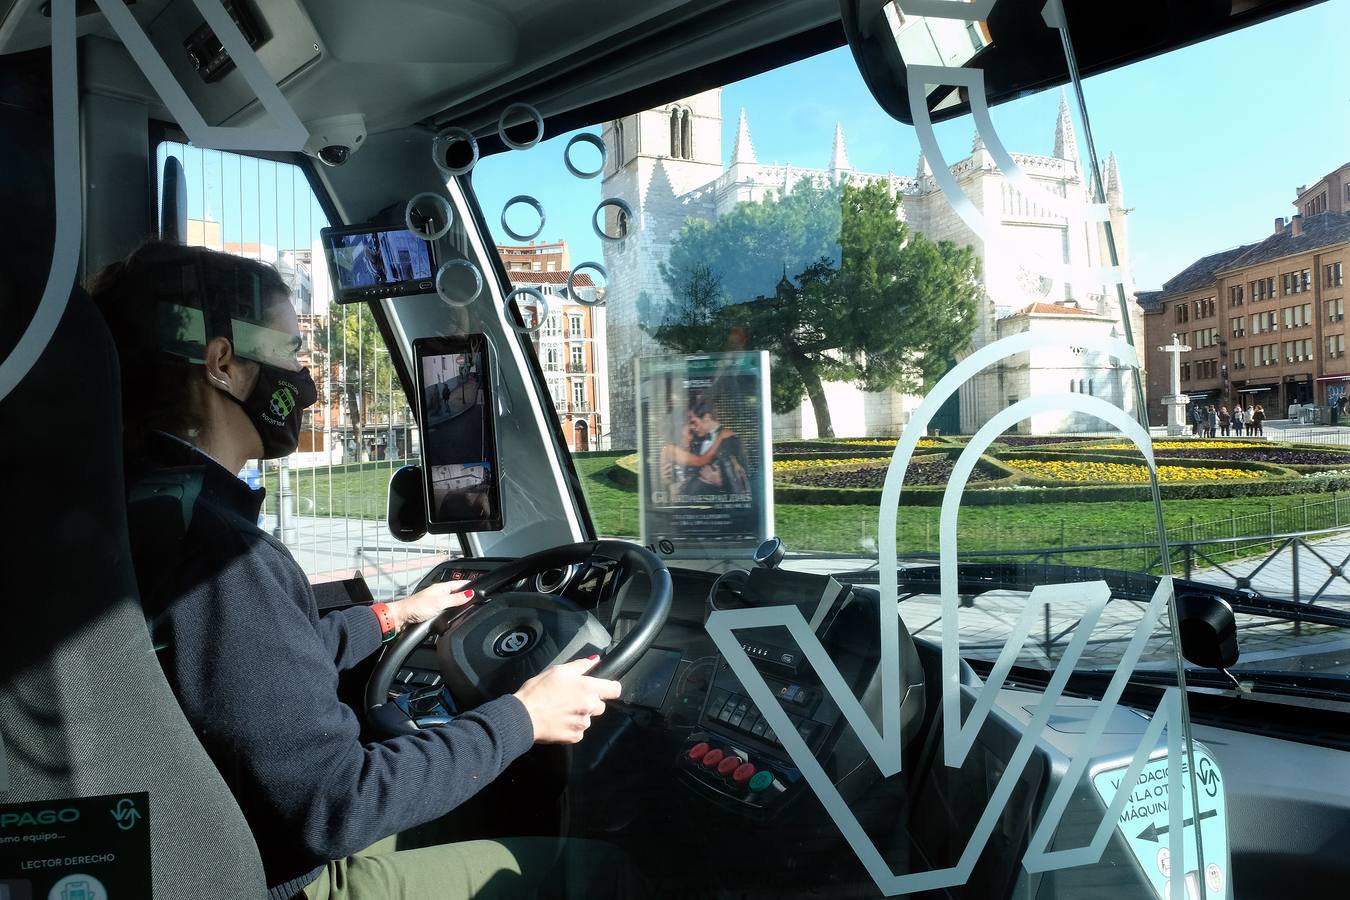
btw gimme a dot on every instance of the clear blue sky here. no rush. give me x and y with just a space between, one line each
1212 140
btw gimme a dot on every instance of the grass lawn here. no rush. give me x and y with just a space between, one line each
852 529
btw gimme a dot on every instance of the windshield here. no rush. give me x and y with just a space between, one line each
785 280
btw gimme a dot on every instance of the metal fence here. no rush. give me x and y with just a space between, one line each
1308 567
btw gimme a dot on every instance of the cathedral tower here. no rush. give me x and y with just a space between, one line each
662 163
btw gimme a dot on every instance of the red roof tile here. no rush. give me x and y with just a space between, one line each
1052 309
519 278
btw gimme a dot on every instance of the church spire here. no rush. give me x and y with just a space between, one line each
1066 145
923 169
1115 193
839 158
743 151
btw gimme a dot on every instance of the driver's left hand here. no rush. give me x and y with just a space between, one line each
428 603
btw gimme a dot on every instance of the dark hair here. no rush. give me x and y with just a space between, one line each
156 385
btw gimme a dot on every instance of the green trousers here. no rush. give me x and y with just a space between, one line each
536 867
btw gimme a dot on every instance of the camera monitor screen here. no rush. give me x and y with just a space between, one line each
367 262
459 447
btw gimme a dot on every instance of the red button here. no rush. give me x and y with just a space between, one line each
712 758
728 765
743 773
696 752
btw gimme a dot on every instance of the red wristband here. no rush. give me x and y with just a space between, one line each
387 629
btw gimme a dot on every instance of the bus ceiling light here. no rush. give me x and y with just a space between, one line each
333 140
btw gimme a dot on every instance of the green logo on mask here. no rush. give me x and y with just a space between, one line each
283 400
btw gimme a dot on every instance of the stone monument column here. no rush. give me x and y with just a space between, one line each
1176 402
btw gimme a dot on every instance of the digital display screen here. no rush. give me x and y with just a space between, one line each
459 454
368 263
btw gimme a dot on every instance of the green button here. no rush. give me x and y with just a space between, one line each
761 780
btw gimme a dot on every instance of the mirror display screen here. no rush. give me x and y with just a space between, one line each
459 451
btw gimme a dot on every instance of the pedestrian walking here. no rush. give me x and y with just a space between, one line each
1224 420
1259 417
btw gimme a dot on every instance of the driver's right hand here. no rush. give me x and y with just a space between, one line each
561 700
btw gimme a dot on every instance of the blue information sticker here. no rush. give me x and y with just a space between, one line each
1145 825
84 848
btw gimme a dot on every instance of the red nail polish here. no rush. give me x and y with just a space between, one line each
594 656
468 595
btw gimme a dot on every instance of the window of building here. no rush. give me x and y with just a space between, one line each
1183 312
1304 280
1335 346
1235 295
681 134
577 361
578 394
1185 371
574 329
1331 275
1239 357
1335 310
619 148
1287 283
553 326
550 359
1237 327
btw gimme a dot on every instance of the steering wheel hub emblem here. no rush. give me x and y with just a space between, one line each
513 643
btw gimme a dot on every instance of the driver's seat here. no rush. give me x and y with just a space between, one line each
84 709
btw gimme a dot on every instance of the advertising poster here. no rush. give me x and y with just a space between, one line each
705 453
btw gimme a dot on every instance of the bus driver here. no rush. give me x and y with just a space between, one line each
208 347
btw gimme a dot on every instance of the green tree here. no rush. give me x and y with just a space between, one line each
872 302
360 369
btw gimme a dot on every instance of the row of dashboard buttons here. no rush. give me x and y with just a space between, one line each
740 773
740 713
418 677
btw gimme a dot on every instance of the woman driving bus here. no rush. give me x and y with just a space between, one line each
208 346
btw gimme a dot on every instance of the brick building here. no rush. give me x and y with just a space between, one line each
535 257
570 343
1265 321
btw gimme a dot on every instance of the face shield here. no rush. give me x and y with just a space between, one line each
195 305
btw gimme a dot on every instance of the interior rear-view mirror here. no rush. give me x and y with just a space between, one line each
1017 45
407 505
1208 630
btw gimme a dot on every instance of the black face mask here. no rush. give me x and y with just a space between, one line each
274 407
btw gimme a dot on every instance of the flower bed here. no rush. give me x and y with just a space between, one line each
1185 445
1032 440
1071 471
798 465
929 472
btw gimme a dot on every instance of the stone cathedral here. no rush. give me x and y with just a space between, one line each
668 165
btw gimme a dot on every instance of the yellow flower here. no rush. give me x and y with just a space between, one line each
891 442
1183 445
1123 473
796 465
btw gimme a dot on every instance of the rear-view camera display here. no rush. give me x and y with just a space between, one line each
458 443
368 264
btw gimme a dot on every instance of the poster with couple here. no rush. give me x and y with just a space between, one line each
705 453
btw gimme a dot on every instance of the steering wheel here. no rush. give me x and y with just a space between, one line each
492 645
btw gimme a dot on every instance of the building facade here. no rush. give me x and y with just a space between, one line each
535 257
1265 321
667 165
569 342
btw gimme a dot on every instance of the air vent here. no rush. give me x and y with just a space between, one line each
551 581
